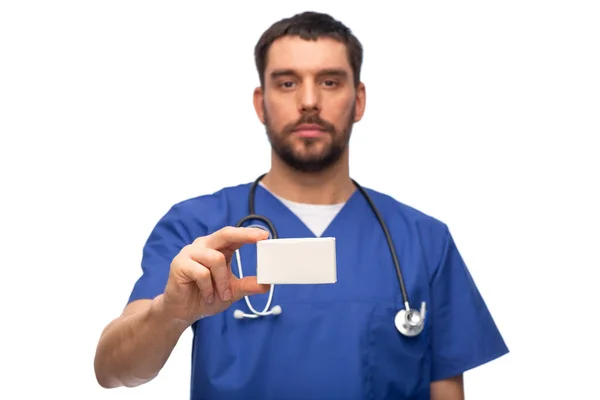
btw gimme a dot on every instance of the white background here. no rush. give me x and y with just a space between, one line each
112 111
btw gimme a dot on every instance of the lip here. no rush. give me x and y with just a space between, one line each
309 130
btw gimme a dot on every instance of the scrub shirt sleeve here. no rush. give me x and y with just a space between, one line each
166 240
464 334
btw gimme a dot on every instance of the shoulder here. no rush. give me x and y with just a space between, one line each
212 200
209 211
418 230
410 217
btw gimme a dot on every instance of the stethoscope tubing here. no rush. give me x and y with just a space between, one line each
252 216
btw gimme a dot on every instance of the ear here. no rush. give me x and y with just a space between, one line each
361 102
258 98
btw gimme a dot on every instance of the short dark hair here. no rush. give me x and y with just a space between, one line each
309 25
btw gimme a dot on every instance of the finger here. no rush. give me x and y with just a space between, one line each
233 238
247 286
205 284
219 270
201 276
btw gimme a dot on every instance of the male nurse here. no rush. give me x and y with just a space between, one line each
335 341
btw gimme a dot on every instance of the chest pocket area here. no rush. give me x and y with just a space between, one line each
397 367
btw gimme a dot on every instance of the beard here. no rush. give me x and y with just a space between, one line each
315 156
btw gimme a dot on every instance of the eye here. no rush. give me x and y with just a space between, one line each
330 83
287 84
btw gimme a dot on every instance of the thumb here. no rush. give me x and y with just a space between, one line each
247 286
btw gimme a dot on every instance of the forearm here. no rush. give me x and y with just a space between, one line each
448 389
134 348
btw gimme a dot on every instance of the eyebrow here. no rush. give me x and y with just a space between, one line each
278 73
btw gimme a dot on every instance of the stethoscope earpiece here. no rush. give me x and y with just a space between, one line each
239 314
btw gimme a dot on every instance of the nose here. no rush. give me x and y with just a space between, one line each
309 99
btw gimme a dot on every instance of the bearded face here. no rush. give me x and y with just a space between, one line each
309 101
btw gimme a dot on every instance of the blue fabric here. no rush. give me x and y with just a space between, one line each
333 341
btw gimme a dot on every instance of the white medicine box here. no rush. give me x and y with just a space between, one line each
296 261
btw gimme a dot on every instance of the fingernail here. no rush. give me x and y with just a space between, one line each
227 295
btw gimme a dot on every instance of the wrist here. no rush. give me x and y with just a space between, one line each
160 313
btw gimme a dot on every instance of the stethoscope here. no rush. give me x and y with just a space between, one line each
408 321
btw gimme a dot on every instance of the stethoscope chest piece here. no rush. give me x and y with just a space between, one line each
410 322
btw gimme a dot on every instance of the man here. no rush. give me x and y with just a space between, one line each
335 341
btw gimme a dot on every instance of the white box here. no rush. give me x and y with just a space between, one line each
296 261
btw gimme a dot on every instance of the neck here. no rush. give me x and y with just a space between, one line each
331 186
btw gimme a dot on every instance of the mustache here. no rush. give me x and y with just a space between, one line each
311 119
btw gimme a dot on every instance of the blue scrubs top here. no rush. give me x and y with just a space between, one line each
332 341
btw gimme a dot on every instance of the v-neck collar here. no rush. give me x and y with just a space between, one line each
290 225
